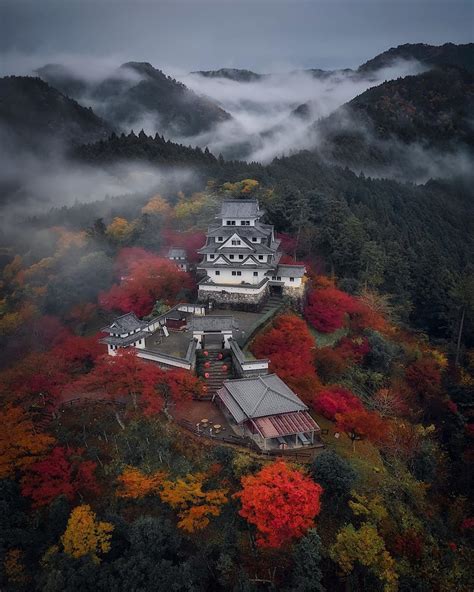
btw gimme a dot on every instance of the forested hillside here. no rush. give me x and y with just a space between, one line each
35 115
137 93
448 54
432 109
106 491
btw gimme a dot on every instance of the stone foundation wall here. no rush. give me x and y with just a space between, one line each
295 296
229 300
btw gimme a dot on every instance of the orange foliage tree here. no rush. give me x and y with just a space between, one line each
194 502
21 444
281 502
145 278
133 484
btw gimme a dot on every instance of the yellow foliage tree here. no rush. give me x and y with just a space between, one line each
85 535
20 443
367 547
157 206
194 505
244 187
120 229
134 484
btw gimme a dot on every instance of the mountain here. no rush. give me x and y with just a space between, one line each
133 147
235 74
432 110
428 55
35 115
137 95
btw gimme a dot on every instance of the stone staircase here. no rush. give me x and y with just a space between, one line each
216 374
272 302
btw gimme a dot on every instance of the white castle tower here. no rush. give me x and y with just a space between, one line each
241 259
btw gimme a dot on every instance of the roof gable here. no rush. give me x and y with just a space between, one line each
263 396
242 242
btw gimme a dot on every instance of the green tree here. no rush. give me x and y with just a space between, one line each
307 574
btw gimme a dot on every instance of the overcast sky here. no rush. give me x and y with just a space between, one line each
262 35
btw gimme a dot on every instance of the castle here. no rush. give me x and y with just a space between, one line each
241 260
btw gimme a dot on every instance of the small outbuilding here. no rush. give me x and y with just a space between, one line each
178 256
268 411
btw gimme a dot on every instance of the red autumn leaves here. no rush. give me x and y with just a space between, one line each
280 502
62 472
144 278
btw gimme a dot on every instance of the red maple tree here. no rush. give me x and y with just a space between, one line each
336 399
281 502
361 425
289 346
326 309
62 472
127 377
144 279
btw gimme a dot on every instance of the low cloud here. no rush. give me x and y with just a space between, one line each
263 125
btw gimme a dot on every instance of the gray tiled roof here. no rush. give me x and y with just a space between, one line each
249 398
176 252
240 208
213 323
124 341
291 270
124 324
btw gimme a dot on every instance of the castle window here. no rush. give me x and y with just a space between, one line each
241 256
292 279
236 242
236 273
230 222
255 273
245 222
211 256
220 239
260 257
231 256
218 272
254 239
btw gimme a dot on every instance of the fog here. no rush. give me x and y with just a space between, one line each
263 125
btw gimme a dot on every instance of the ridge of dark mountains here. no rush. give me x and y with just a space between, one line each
236 74
34 115
137 93
141 147
432 110
448 54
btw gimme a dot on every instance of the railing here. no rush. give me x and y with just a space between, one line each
246 367
297 455
187 363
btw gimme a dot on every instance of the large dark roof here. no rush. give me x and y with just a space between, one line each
124 341
125 324
240 208
249 398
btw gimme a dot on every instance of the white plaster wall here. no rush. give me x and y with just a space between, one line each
227 278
